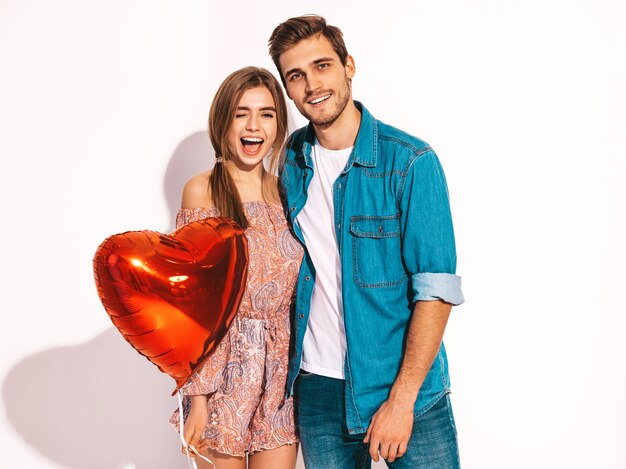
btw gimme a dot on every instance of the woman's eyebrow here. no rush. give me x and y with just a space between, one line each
266 108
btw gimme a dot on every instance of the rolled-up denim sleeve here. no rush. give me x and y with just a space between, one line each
428 246
437 286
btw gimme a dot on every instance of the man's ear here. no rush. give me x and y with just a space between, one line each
350 67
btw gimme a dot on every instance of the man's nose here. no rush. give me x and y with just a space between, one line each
312 83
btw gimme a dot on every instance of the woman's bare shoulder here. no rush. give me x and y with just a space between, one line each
196 192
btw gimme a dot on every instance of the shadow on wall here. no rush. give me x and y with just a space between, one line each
99 405
192 156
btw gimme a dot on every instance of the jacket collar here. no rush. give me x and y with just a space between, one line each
366 144
365 147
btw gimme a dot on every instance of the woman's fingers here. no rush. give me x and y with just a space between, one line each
193 450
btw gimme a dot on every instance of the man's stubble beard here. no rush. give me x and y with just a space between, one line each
343 99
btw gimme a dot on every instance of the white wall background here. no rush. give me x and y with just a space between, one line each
102 113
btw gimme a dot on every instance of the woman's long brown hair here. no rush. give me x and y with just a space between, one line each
224 193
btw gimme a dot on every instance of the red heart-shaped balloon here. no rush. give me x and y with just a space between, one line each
173 297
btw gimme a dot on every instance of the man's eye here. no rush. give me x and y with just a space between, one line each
295 76
323 65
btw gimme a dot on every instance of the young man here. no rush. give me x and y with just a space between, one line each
376 287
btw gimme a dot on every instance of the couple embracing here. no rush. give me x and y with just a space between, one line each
337 343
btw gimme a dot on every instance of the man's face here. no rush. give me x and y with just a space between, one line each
316 81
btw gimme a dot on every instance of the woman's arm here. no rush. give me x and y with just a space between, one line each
195 423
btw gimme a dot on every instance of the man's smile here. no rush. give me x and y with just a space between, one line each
319 99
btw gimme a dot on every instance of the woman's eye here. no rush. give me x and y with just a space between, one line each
268 115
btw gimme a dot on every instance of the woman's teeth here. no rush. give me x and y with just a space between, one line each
251 144
251 140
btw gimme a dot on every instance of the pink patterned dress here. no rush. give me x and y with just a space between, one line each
245 376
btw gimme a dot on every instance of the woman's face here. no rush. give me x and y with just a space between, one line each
253 129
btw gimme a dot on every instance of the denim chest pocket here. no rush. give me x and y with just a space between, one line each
376 251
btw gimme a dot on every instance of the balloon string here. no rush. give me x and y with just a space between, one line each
190 460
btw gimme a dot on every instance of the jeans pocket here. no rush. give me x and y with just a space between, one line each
376 251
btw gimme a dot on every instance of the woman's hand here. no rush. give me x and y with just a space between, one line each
195 424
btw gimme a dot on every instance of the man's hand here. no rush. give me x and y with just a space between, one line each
390 430
195 424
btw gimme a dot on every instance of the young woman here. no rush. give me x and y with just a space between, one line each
234 403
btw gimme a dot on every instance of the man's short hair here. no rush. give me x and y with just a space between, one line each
288 34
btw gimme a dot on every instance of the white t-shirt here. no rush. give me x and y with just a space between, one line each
324 347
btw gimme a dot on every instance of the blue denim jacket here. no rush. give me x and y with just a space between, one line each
396 243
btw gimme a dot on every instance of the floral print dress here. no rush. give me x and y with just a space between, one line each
244 378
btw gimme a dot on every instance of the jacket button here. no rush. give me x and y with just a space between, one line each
307 278
380 229
293 209
301 316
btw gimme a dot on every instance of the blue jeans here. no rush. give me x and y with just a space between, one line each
326 443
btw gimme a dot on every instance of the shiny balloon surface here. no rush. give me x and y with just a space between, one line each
174 296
